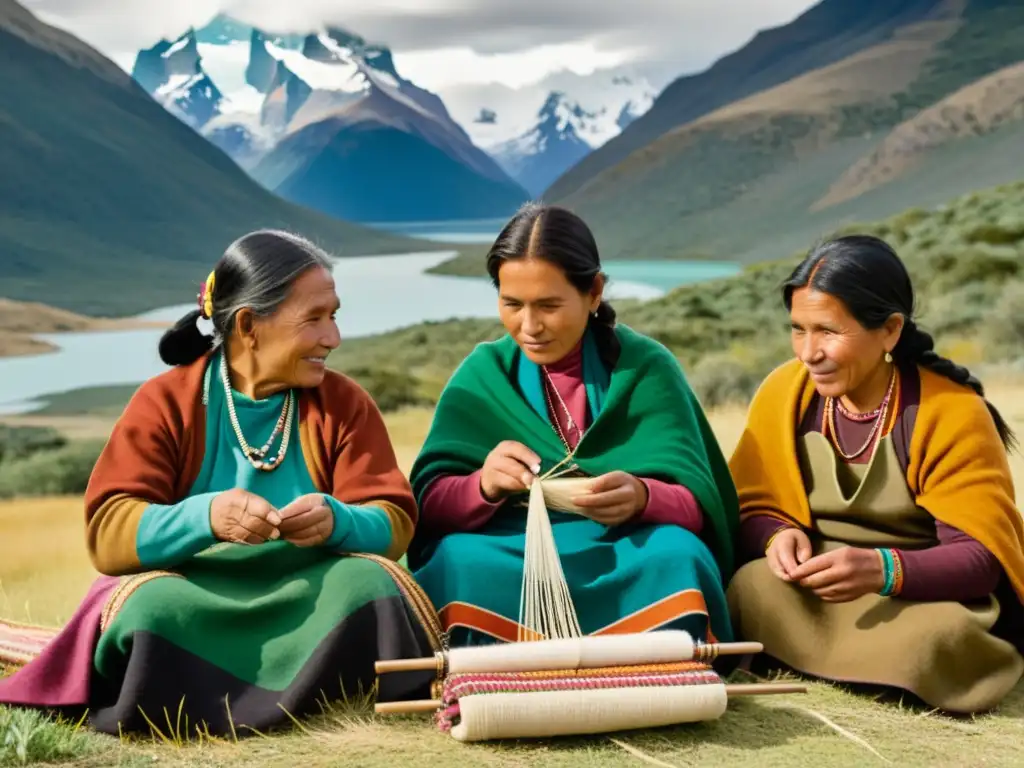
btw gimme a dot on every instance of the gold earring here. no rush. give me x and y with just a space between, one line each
888 357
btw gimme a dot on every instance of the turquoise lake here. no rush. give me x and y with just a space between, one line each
377 294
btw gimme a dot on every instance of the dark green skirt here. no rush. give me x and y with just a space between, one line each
242 639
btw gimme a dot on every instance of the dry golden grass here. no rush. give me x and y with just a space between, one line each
44 572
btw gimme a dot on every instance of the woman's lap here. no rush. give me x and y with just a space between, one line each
237 643
631 578
943 652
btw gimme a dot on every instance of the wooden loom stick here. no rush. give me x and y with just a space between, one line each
415 665
738 689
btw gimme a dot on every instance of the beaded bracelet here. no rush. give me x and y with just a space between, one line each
892 569
897 578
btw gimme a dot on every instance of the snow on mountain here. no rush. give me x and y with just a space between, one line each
229 76
569 124
279 103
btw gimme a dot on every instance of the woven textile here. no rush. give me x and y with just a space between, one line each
20 643
479 686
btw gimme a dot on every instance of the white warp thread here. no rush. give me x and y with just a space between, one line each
545 604
666 646
566 713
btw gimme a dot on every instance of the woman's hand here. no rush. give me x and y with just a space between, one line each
308 521
614 498
509 468
789 548
842 574
240 516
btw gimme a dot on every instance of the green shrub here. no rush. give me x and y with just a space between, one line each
391 389
19 442
1005 323
61 471
721 379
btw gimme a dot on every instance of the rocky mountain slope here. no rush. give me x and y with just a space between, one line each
773 169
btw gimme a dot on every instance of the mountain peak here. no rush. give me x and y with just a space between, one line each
154 67
275 102
222 29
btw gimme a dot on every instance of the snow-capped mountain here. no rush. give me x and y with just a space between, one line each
564 134
538 132
326 120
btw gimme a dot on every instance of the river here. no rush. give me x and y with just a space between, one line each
377 294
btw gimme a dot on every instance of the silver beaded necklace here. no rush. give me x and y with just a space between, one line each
258 456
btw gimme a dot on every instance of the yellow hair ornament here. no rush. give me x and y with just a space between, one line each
206 297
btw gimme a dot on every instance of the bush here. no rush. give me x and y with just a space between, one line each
63 471
1005 323
732 377
20 442
390 389
720 379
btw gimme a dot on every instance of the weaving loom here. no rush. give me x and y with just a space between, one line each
576 686
554 682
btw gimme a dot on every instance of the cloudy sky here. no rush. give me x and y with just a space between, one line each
445 44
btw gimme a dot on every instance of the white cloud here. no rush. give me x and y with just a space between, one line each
443 43
444 68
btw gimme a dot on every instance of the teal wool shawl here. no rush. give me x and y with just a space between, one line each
646 420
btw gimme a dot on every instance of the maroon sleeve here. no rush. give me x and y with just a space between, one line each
671 504
755 531
958 568
455 503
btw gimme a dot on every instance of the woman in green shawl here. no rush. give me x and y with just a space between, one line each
653 546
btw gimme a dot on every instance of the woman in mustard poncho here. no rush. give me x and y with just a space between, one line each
877 501
654 543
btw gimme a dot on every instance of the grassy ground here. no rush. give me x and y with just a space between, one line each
827 727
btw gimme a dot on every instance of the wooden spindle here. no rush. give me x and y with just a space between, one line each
404 707
763 689
405 665
430 662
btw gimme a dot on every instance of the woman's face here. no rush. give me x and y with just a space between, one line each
542 310
290 347
841 355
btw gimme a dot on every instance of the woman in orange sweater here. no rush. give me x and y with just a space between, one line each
877 504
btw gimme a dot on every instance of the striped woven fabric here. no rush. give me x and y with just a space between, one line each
474 684
20 643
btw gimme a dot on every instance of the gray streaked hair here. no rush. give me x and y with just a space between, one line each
256 273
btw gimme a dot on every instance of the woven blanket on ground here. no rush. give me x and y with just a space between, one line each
20 643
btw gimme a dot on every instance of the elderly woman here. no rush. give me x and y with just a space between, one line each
876 497
246 513
654 541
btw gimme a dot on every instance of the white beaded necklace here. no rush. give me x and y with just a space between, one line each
258 456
